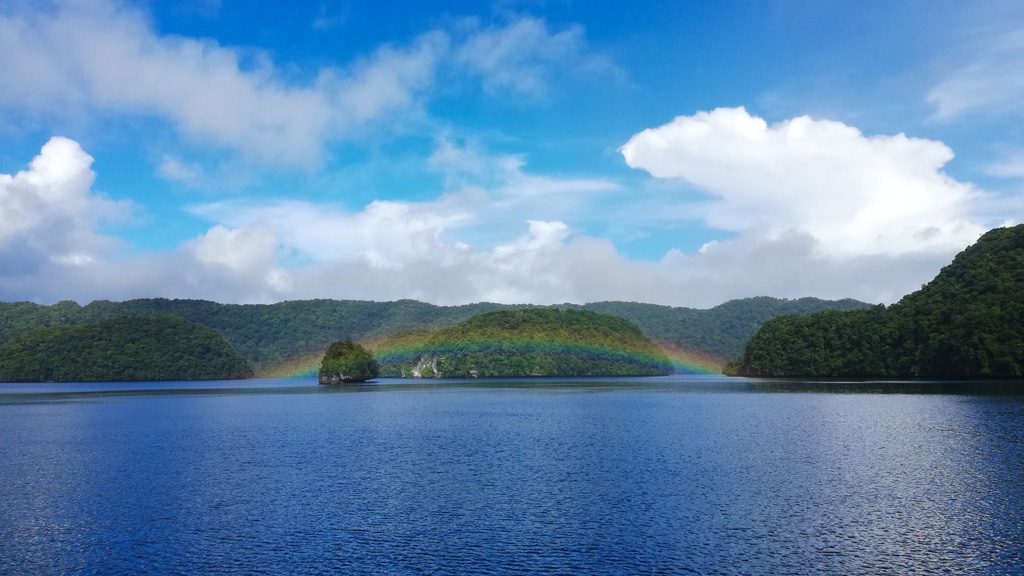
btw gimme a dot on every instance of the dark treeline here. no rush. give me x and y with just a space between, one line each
266 335
966 323
130 348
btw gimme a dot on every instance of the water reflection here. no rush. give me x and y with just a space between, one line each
51 392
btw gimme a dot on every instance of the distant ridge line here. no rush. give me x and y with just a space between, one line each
282 338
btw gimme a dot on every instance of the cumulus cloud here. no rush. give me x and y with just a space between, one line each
386 234
853 194
49 212
239 249
51 246
991 81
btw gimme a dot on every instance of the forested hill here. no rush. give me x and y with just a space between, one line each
270 335
265 335
130 348
720 332
966 323
528 342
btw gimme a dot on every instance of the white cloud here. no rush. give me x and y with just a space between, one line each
388 80
460 247
73 59
469 160
1011 166
519 57
174 169
49 213
265 252
791 265
329 17
500 185
99 55
854 195
386 234
239 249
992 81
418 250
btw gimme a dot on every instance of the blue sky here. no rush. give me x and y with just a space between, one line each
682 153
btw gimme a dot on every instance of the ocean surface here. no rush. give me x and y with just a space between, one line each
673 475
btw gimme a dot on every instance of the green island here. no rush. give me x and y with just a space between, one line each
121 349
347 362
525 342
968 322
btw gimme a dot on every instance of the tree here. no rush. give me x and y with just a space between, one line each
968 322
346 361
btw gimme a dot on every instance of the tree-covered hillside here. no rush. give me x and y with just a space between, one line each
527 342
272 334
966 323
722 331
265 335
130 348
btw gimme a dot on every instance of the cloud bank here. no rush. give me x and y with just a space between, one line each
789 191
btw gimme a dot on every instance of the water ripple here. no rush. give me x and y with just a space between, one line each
511 479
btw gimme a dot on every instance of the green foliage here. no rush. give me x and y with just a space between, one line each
346 361
526 342
131 348
966 323
265 335
268 335
720 332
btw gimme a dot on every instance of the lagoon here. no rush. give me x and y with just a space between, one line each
675 475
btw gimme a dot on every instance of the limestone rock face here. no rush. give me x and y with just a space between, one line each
340 378
425 367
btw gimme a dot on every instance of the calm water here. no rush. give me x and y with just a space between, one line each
677 475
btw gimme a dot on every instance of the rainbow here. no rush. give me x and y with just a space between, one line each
519 345
303 365
690 361
683 360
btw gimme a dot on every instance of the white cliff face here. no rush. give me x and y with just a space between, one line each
425 367
340 378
